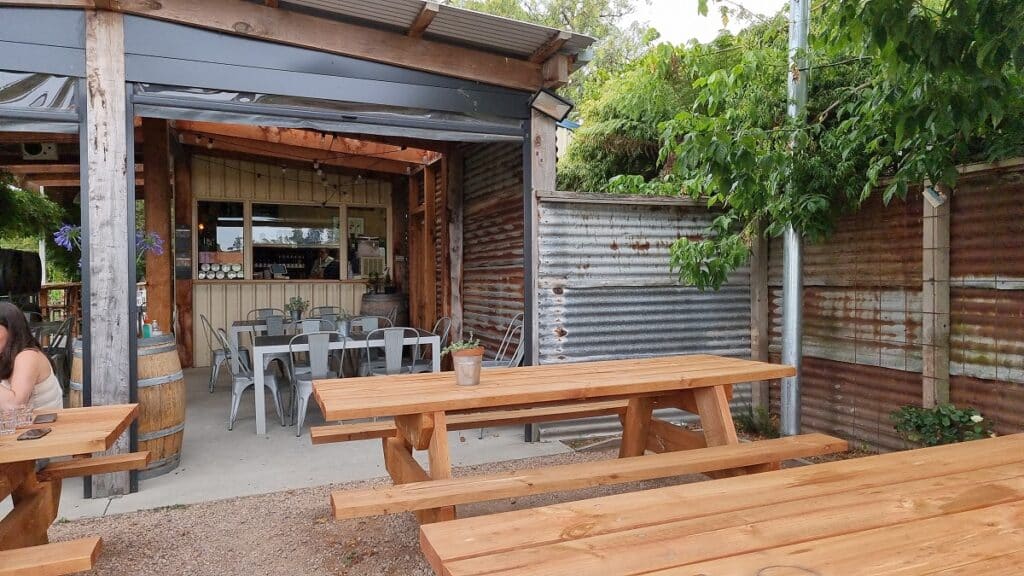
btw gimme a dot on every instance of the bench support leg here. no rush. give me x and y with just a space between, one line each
719 429
35 507
404 469
440 462
635 427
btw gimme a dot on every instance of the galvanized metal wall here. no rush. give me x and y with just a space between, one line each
987 297
862 322
605 291
492 239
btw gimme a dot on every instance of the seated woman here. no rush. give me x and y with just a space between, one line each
26 376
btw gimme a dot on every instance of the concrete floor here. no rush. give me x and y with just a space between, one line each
217 463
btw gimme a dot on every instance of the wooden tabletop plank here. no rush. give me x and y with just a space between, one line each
418 393
949 542
76 431
1002 565
470 537
667 545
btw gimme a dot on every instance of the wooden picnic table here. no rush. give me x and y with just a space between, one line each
422 405
36 495
943 511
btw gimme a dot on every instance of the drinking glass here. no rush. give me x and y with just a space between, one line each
8 422
23 416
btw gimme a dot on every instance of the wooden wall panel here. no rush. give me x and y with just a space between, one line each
224 302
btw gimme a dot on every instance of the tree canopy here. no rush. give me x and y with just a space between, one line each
900 91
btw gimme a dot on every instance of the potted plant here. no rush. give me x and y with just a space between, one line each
296 306
467 356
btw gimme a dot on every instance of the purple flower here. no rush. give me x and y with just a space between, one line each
68 237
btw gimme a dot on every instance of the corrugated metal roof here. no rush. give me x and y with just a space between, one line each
454 25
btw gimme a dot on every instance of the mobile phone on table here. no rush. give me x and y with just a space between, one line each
45 418
34 433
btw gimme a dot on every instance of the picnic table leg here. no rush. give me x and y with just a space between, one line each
440 462
635 427
719 429
35 507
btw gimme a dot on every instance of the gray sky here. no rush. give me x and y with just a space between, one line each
678 21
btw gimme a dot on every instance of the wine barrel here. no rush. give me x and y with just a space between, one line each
161 394
383 304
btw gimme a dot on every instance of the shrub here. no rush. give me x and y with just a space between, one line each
757 421
943 424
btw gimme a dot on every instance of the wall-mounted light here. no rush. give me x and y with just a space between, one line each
552 104
934 197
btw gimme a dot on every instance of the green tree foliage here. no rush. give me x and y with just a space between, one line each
900 90
25 213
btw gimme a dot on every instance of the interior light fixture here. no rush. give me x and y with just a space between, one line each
547 102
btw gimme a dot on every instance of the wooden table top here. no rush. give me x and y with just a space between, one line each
347 398
76 431
949 510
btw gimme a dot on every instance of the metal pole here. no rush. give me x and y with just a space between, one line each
792 287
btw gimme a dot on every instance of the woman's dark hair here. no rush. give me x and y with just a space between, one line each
19 337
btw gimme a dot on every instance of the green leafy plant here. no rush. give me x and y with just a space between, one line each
458 345
757 421
296 304
943 424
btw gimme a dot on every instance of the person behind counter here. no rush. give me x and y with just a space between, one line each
323 261
26 376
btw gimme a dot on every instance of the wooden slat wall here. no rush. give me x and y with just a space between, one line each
228 179
224 302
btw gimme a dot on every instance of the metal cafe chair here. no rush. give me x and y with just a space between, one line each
317 368
218 354
243 378
508 356
442 328
394 346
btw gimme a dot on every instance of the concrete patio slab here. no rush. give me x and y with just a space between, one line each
217 463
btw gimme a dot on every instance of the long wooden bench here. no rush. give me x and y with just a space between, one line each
51 559
386 428
94 465
432 494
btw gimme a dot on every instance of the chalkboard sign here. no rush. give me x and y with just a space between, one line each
183 253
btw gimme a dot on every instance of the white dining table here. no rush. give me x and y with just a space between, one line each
264 345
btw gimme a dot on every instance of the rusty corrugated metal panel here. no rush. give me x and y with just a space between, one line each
853 401
986 333
877 246
492 239
1001 402
605 289
986 231
869 326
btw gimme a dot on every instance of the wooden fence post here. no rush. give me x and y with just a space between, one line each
759 317
935 302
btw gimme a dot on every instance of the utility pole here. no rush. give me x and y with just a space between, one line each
792 287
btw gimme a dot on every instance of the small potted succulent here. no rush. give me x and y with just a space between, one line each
296 306
467 356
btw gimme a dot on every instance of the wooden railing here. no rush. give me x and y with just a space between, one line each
58 301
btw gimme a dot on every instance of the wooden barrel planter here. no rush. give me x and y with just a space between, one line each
161 394
383 304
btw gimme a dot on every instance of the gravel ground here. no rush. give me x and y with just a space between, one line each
290 533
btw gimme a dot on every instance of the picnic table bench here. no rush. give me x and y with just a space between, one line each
949 510
420 410
80 432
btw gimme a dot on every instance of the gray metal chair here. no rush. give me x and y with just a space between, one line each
317 368
59 350
371 323
218 354
394 347
323 310
243 378
510 351
261 313
442 328
275 327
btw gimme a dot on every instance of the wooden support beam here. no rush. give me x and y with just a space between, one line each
555 71
183 286
542 178
316 140
759 314
453 163
444 305
549 48
44 168
428 291
25 137
109 266
306 31
156 153
935 302
246 146
423 20
67 181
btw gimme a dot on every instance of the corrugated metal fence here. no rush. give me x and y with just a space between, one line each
604 290
863 311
